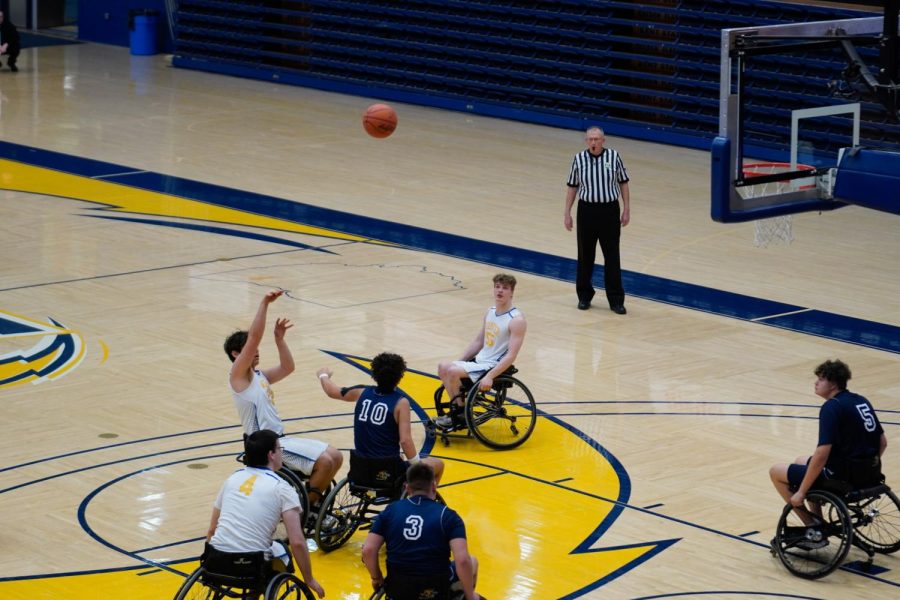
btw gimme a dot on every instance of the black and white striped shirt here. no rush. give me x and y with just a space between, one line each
597 177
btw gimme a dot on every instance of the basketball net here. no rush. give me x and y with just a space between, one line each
777 230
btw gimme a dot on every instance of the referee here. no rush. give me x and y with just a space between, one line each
599 180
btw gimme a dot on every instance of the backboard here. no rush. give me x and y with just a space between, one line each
796 95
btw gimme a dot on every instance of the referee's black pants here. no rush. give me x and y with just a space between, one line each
599 222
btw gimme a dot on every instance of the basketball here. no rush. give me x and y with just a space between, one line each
380 120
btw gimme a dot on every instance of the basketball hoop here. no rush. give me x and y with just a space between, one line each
777 229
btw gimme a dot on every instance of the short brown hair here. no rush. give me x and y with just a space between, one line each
835 371
505 279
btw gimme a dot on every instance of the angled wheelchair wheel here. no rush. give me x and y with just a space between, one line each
876 522
814 551
300 486
286 586
503 417
339 518
194 588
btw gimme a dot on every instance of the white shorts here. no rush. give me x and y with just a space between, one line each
300 454
474 369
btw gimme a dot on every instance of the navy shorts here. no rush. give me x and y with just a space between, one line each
797 472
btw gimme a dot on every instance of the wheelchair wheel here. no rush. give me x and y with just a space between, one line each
194 589
814 551
505 416
286 586
876 522
341 514
298 484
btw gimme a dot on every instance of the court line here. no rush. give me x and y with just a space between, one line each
851 330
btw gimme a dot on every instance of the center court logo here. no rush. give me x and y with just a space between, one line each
41 351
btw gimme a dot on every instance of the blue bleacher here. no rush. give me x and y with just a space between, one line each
649 69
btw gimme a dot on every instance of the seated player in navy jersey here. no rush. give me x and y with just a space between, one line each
420 533
381 418
849 431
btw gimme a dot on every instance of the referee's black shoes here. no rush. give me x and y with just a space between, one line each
582 305
619 309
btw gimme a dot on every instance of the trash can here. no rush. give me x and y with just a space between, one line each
142 25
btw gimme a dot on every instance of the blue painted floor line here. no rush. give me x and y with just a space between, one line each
852 330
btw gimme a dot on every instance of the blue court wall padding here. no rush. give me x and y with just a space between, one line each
869 178
720 179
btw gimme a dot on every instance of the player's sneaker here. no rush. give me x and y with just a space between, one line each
444 422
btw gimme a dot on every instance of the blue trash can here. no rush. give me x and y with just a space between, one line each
142 25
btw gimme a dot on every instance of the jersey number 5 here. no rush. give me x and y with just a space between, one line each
866 413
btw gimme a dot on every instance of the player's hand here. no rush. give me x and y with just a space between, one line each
485 383
316 587
798 499
281 325
324 371
377 583
272 296
567 221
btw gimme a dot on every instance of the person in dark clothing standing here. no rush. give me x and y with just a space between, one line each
9 42
599 180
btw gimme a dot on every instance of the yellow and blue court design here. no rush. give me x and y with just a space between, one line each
646 476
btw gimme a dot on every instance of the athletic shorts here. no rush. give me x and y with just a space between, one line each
300 454
474 369
796 473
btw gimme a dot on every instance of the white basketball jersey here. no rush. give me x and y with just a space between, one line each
496 335
251 502
256 406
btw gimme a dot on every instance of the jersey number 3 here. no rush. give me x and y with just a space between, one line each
413 529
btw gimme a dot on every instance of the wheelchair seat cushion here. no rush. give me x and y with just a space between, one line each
859 472
248 569
382 472
436 587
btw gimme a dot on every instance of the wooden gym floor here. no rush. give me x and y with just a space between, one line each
144 211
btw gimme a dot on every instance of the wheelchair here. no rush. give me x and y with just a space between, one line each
501 418
246 575
861 511
352 504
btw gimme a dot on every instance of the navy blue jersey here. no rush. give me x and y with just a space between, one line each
417 532
849 423
375 431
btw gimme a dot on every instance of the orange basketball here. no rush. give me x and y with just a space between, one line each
380 120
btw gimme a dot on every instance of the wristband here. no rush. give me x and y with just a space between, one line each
324 376
415 459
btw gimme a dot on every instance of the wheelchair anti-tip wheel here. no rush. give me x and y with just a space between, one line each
814 550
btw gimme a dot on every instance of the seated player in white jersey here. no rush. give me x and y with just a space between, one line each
249 506
492 351
381 418
255 401
420 534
